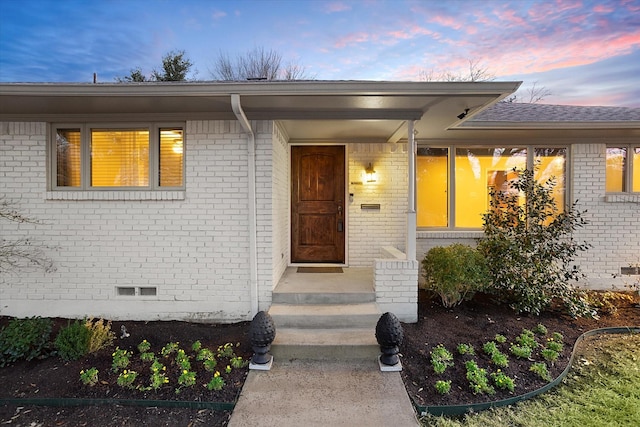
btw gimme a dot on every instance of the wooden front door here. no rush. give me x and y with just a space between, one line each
317 204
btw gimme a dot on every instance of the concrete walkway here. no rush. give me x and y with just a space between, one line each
323 393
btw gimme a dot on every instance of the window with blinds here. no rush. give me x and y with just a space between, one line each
142 157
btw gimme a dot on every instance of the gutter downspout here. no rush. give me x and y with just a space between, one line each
412 152
251 164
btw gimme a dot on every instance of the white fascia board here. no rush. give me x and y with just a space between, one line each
295 88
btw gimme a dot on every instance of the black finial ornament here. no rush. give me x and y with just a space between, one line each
389 335
262 332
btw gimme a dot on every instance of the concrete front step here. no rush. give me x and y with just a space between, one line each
325 316
325 344
323 297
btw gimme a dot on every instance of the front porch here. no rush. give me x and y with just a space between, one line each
333 315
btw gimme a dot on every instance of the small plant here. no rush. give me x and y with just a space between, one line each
237 362
147 357
89 377
503 381
126 378
441 358
205 354
540 368
101 335
158 377
72 341
144 346
227 370
120 359
226 351
169 348
490 348
549 355
196 346
540 329
443 387
500 359
555 346
26 339
455 272
527 339
186 379
478 380
466 349
557 337
216 383
497 357
182 360
210 364
500 339
521 351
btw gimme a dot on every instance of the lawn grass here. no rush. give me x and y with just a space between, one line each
602 389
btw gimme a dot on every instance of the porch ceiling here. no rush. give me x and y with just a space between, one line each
308 110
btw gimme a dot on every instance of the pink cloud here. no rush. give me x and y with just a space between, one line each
600 8
335 7
352 39
446 21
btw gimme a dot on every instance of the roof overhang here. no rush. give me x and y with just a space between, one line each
308 110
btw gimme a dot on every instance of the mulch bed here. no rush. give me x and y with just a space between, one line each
473 322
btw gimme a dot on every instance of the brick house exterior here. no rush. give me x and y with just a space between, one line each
215 249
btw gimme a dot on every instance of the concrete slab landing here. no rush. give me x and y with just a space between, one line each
310 393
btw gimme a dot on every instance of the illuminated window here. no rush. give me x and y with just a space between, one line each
458 199
623 169
145 157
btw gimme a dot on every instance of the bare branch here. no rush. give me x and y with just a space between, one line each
476 73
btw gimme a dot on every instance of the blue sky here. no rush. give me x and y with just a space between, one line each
585 52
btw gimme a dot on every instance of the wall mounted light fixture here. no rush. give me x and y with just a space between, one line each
370 173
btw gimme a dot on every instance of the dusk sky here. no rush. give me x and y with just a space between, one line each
585 52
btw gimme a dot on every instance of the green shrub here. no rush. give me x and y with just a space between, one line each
530 249
72 341
26 339
454 272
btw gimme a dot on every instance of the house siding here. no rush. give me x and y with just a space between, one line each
370 230
193 248
614 222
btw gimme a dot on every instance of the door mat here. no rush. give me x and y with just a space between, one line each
319 269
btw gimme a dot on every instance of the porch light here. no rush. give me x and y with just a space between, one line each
370 173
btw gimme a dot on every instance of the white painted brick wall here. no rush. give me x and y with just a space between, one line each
369 230
191 245
614 222
395 280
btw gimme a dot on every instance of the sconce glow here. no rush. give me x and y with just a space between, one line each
370 173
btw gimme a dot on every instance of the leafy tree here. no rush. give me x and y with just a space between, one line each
21 252
530 249
256 64
175 68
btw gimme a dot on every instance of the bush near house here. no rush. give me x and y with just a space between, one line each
530 248
455 272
